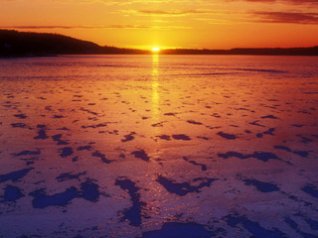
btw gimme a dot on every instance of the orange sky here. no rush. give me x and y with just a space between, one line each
170 23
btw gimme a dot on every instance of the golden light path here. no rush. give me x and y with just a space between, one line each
155 103
155 95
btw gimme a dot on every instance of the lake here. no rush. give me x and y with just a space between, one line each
159 146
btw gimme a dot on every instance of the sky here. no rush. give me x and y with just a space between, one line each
215 24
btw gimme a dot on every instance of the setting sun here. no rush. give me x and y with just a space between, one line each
155 49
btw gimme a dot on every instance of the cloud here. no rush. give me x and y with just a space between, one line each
215 12
302 1
287 17
76 27
282 1
172 13
61 27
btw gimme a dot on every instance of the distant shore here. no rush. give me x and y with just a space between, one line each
29 44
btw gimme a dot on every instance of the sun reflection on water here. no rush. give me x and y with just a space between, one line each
155 95
155 104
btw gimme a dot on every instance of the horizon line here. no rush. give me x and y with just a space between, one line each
163 48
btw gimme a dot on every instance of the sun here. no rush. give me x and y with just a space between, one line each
155 49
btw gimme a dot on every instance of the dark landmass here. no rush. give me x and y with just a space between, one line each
308 51
28 44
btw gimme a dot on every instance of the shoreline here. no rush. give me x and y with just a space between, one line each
150 54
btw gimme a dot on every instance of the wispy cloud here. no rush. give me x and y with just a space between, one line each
132 14
76 27
282 1
287 17
173 12
39 27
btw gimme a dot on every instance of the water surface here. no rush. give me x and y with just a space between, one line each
159 146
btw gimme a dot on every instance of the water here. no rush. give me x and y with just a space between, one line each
159 146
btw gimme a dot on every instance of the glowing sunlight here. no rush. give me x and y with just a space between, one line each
155 49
